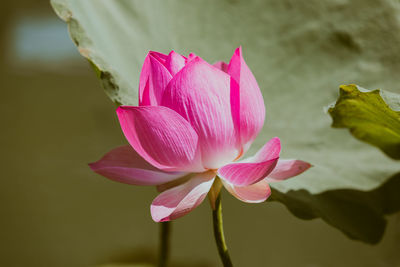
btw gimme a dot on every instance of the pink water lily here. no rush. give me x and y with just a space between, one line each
193 124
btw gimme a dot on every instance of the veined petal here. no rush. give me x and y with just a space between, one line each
161 136
175 62
162 58
248 110
124 165
200 94
154 78
254 169
221 65
180 200
286 169
244 174
270 150
255 193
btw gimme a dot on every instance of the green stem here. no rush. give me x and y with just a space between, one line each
165 229
219 233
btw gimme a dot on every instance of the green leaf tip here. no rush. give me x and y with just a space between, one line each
368 117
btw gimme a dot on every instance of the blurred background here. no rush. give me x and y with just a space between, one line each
56 212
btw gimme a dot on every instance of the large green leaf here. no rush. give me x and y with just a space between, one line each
369 118
357 213
299 51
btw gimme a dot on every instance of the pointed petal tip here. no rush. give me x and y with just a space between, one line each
221 65
195 59
190 57
157 216
122 108
286 169
239 50
172 52
160 57
276 139
96 166
155 54
92 166
270 150
305 165
175 62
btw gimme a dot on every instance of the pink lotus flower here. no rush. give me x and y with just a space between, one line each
193 124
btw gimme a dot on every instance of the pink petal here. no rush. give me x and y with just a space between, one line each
190 57
244 174
221 65
248 110
154 78
175 62
255 193
124 165
180 200
162 58
270 150
253 169
161 136
286 169
200 93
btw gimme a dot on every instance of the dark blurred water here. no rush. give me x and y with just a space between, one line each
56 212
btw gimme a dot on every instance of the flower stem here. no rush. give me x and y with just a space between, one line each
219 233
165 230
